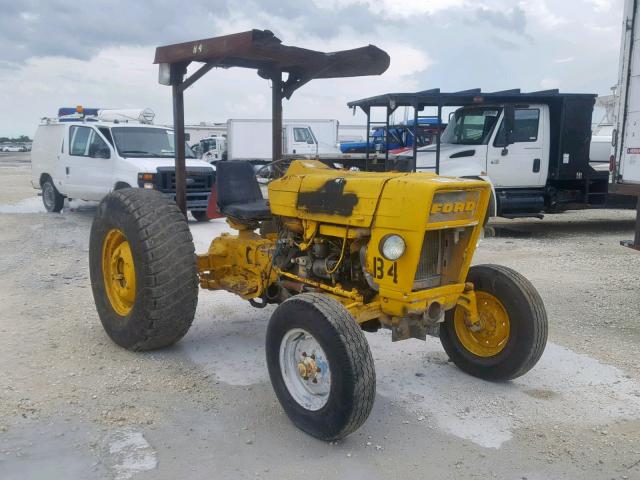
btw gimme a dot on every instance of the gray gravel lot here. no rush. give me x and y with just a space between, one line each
75 406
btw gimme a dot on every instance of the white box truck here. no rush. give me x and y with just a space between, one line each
625 175
86 155
250 139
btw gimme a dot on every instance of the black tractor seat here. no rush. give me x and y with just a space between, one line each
238 192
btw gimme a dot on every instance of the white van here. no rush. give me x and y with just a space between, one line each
84 159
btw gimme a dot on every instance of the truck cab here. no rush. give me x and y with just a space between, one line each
533 148
475 144
85 157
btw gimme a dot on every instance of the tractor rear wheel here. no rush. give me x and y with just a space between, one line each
513 326
143 269
320 366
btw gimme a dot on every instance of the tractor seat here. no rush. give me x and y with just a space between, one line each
238 192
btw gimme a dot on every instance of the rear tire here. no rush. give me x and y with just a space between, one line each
331 409
52 199
143 269
501 293
200 216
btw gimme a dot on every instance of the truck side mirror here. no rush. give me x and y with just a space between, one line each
509 124
187 137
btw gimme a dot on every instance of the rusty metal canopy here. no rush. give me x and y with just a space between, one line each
263 51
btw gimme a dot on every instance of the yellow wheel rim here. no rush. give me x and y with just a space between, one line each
118 272
490 338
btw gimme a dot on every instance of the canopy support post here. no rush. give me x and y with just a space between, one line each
276 114
177 76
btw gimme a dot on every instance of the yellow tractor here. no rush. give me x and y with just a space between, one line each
340 252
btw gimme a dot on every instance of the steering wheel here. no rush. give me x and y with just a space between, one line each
272 170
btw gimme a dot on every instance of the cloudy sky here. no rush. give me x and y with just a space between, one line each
100 53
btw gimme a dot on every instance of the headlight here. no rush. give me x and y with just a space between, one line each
392 247
147 180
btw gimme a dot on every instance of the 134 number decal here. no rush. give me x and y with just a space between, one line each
380 269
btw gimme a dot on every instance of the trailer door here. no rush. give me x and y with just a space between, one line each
629 169
519 164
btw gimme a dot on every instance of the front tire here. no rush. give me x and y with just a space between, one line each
513 331
52 199
320 366
143 269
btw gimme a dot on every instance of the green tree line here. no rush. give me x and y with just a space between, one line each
21 138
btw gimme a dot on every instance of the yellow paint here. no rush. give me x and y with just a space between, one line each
118 272
490 334
239 263
406 204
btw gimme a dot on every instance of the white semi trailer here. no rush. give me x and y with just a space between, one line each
625 159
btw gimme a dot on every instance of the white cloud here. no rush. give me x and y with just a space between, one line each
549 83
540 12
601 5
572 45
395 8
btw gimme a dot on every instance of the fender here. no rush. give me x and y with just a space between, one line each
493 204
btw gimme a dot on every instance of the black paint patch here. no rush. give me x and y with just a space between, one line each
330 198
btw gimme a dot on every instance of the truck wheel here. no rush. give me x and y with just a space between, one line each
320 366
143 269
52 199
200 216
513 330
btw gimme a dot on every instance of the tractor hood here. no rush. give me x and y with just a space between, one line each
312 191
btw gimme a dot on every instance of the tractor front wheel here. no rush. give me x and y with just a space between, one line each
143 269
320 366
512 330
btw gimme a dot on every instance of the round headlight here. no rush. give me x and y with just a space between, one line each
392 247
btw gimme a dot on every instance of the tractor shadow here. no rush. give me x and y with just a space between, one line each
553 227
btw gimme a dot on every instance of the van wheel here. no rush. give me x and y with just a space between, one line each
143 269
513 326
320 366
200 216
52 199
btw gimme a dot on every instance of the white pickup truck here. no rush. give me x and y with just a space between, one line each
85 156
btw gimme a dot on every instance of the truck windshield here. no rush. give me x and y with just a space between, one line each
146 142
471 126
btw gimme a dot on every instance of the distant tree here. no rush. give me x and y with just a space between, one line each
21 138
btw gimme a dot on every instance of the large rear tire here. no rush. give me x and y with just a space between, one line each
514 326
320 366
143 269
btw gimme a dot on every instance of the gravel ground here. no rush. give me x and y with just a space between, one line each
74 406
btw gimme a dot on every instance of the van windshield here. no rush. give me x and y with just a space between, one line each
146 142
471 126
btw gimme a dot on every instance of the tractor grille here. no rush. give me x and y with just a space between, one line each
429 272
198 180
